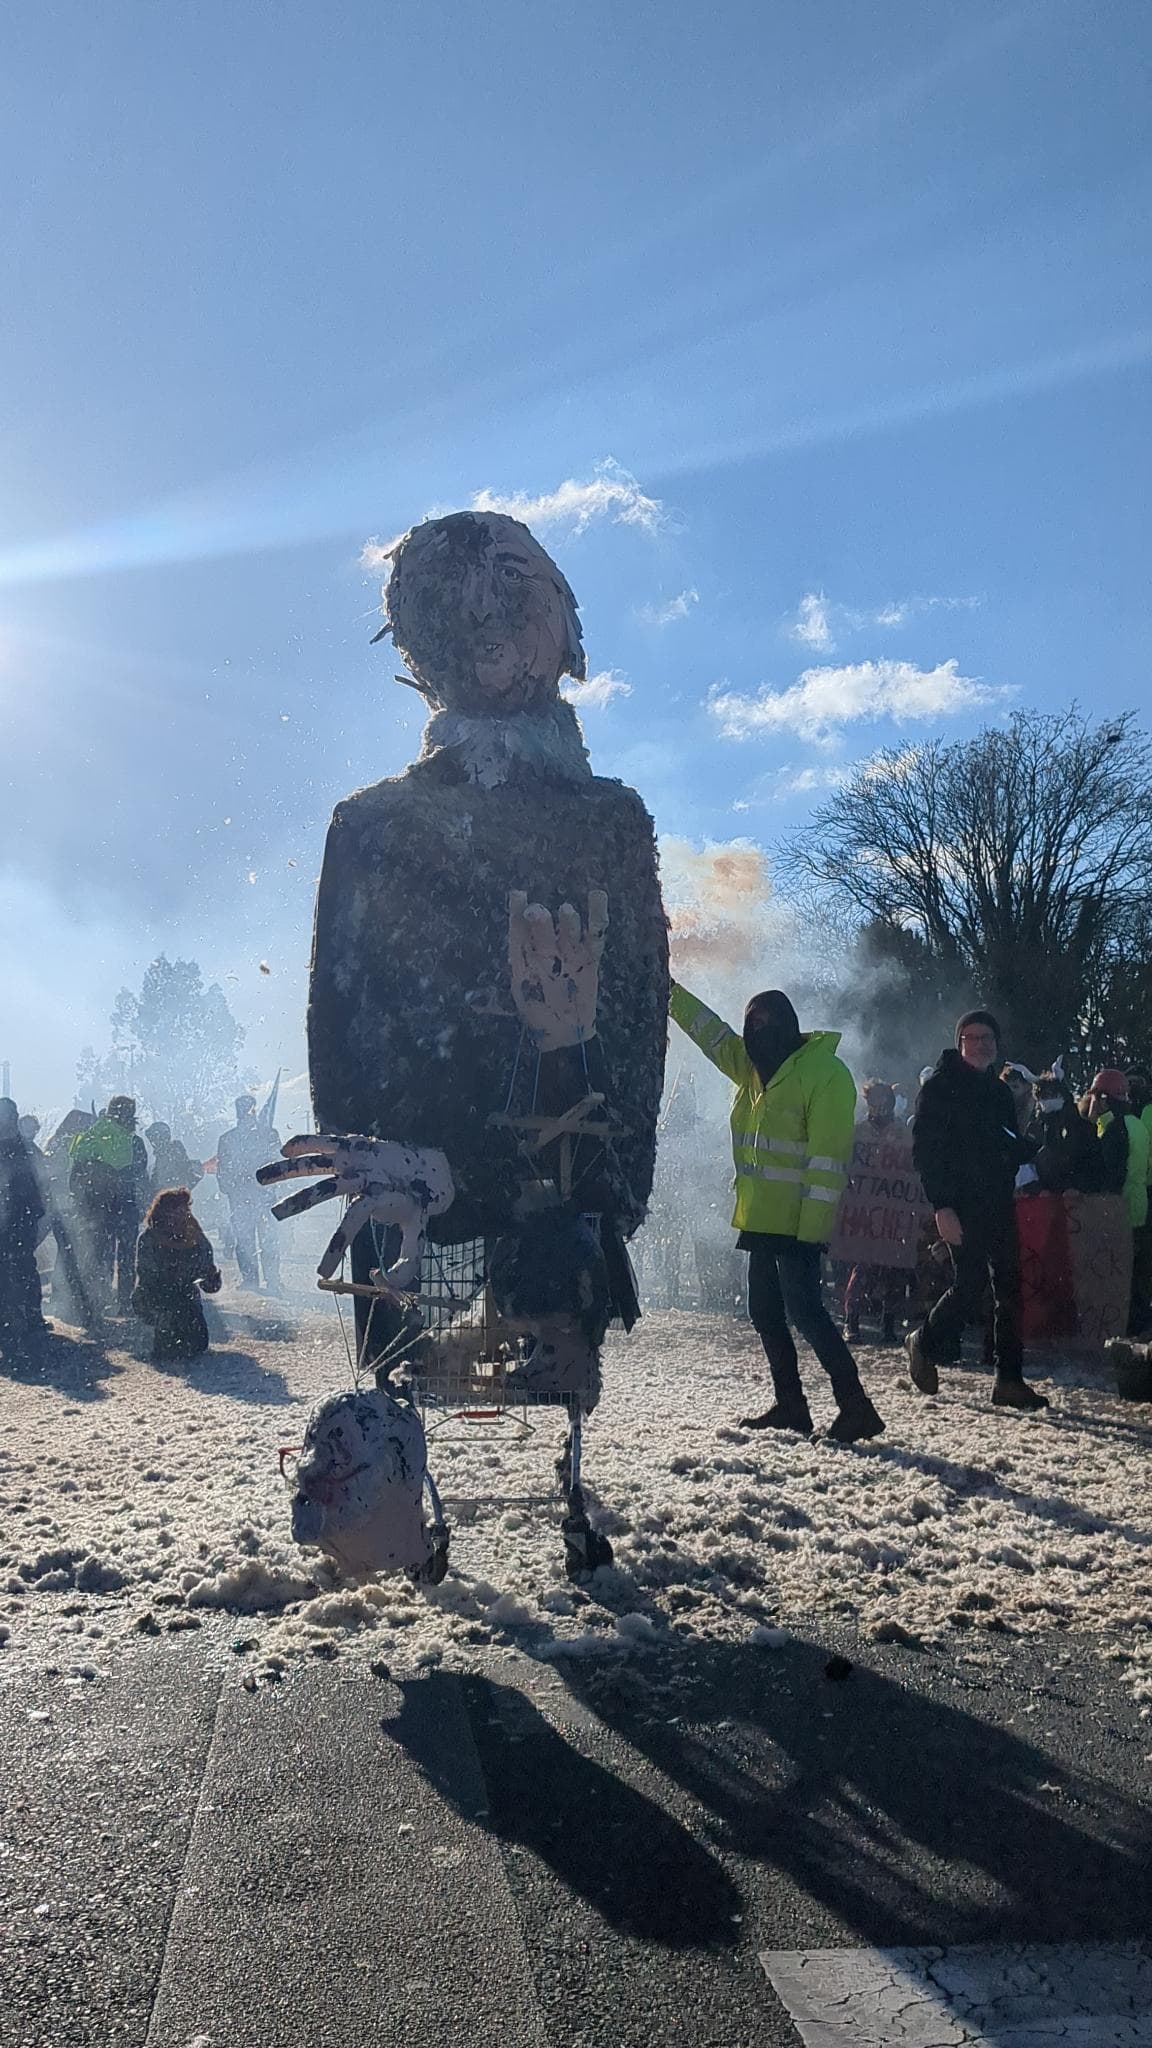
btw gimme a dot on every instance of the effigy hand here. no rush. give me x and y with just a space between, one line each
386 1183
555 968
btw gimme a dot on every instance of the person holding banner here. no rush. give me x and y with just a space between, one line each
968 1150
792 1129
884 1208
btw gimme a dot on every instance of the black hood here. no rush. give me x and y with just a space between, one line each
771 1032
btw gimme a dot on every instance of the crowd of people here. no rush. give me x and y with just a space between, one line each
986 1132
116 1208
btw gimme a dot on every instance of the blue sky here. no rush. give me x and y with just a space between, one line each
835 319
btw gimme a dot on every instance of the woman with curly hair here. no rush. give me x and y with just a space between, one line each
174 1260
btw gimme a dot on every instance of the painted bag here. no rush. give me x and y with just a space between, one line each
360 1484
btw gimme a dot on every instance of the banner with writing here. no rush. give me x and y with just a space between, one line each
882 1210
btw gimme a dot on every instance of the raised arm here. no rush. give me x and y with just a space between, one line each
716 1040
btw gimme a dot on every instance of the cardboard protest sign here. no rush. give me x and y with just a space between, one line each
1047 1290
1075 1268
1100 1242
882 1210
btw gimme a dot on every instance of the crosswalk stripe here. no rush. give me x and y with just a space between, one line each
1082 1995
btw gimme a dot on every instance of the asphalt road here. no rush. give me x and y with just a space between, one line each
574 1855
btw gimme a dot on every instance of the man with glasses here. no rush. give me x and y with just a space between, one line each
968 1151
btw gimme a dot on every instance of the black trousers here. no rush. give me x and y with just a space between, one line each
109 1227
784 1291
988 1256
20 1298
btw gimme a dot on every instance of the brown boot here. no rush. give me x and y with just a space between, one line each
924 1373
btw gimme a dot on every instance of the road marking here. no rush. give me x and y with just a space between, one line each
1077 1995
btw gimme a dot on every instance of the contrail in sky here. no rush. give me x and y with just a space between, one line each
962 394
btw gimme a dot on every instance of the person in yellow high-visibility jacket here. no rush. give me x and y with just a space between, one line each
792 1130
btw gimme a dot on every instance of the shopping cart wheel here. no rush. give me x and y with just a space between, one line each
585 1549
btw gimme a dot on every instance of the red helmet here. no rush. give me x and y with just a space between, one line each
1110 1081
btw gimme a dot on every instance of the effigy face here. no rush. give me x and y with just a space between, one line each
482 615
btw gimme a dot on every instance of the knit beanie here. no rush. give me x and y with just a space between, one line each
984 1017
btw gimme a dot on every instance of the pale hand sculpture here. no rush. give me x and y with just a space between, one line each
555 968
387 1183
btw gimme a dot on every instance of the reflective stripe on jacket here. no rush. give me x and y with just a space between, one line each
791 1141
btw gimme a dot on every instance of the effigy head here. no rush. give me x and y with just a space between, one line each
481 614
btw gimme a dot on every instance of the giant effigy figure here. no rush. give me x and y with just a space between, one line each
489 993
414 1030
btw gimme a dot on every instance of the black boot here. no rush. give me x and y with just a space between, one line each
1016 1393
855 1419
782 1416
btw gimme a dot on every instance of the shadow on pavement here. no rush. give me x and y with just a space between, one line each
235 1373
633 1863
75 1365
972 1480
900 1813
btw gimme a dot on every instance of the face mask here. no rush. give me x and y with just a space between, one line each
767 1046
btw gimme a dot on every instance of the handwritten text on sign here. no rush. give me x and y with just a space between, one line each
882 1209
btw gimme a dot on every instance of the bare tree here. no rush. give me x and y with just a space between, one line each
1118 1005
1016 858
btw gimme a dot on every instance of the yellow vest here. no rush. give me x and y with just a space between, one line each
791 1141
1136 1178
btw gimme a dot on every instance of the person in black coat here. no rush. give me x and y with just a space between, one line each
174 1261
968 1150
21 1209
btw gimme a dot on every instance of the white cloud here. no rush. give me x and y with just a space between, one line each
888 767
803 781
677 607
596 691
823 700
902 609
613 493
377 554
811 625
818 620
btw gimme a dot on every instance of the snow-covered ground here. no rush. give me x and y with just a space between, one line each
135 1501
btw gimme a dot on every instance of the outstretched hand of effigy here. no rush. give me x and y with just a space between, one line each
555 968
383 1181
